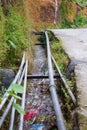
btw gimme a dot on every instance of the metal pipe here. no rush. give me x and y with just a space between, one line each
41 76
59 116
13 109
5 97
6 112
64 82
23 97
12 117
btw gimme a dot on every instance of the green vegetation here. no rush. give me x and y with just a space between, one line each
58 53
83 119
71 16
56 50
13 36
81 2
3 49
15 90
63 60
79 21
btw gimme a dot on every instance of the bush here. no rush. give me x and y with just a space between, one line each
80 20
3 49
13 36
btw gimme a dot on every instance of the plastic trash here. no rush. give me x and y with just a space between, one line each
37 127
41 118
31 113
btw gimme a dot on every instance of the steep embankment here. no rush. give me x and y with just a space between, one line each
42 12
45 13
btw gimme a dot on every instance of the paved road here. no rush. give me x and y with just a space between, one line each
75 45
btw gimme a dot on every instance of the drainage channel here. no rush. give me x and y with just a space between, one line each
42 100
43 109
42 104
38 100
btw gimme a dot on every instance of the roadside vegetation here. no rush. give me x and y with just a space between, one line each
58 52
17 21
63 61
73 14
14 35
82 3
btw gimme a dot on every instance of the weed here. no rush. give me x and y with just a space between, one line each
13 40
59 54
3 48
15 90
15 31
82 2
80 20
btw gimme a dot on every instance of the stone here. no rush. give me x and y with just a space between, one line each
6 77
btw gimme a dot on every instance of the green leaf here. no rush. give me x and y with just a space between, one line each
19 108
16 96
11 93
12 44
17 88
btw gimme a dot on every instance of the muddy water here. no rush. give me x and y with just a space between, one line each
38 98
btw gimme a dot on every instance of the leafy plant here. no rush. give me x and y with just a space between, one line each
3 49
16 28
16 89
59 54
12 44
13 40
19 108
80 20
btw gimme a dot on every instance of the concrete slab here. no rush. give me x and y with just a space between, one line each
75 45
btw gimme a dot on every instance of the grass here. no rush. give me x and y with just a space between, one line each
59 54
79 21
15 30
13 40
82 3
3 49
83 122
70 17
63 61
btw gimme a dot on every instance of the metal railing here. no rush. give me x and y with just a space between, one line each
64 81
55 99
19 78
54 96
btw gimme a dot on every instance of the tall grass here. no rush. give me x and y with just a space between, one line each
3 48
82 2
79 21
14 36
58 52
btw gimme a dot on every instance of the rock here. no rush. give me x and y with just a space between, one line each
6 77
70 69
